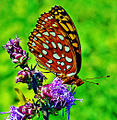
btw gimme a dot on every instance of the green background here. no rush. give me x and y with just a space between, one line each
96 23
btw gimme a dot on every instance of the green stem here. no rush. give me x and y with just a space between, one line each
45 115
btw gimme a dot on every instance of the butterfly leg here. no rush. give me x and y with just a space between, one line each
67 81
42 67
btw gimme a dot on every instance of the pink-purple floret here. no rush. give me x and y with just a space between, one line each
23 75
16 53
21 113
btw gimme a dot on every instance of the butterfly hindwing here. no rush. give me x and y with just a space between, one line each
55 42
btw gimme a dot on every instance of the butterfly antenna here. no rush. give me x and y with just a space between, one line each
91 82
95 78
31 66
35 66
42 67
48 71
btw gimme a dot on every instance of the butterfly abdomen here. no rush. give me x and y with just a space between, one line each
73 80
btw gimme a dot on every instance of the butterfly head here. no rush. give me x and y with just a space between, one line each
73 80
79 82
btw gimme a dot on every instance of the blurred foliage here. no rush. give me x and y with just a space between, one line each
96 23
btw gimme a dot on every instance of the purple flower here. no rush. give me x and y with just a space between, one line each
23 75
58 94
32 78
21 113
14 114
15 51
28 110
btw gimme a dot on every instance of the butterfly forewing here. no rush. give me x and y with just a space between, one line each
55 43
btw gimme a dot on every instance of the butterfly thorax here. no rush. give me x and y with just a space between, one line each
72 80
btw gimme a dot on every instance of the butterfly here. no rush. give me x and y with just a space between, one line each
56 45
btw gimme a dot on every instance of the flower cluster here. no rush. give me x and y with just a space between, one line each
15 51
21 113
23 75
48 99
57 95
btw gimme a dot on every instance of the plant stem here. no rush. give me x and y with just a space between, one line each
45 115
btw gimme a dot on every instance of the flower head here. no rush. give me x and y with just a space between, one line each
32 78
21 113
17 54
57 94
23 75
14 114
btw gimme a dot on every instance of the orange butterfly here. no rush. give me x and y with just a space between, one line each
56 45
